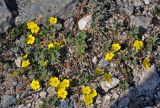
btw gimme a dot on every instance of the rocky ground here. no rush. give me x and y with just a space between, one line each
104 21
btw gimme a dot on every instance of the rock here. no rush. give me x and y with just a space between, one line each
137 3
103 63
18 61
7 101
42 94
107 86
85 22
129 9
69 23
64 103
20 106
147 1
51 91
94 60
98 99
37 103
141 101
5 16
148 79
24 10
140 21
124 102
121 5
105 101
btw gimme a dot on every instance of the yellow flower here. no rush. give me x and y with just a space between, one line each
30 24
108 78
61 42
86 90
54 82
62 93
88 99
116 47
25 56
64 84
146 63
43 63
138 44
25 63
35 85
53 20
109 56
93 93
15 73
35 28
99 71
30 39
51 45
57 45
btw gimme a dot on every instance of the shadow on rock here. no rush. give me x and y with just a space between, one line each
13 9
146 94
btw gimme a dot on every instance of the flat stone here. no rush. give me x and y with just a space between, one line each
107 86
51 91
18 61
7 101
103 63
137 2
94 59
124 102
148 79
147 1
140 21
5 16
129 9
19 11
85 22
43 94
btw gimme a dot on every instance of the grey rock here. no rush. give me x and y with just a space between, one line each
7 101
69 23
121 5
31 9
103 63
51 91
147 1
124 102
106 101
140 21
137 3
5 16
129 9
149 79
37 103
64 103
107 86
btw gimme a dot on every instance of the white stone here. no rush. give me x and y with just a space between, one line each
51 91
147 2
43 94
106 85
85 22
103 63
18 61
94 60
